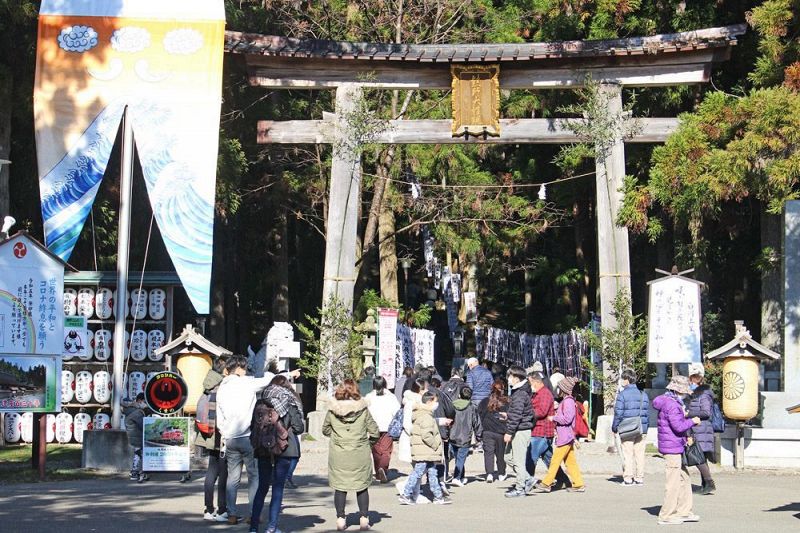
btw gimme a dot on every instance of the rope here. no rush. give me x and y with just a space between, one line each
488 186
141 283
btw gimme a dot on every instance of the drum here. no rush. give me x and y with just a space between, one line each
67 386
157 307
63 427
81 423
101 383
70 302
155 340
139 345
86 302
139 303
103 302
83 386
12 427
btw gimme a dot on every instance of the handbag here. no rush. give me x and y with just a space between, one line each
693 455
631 428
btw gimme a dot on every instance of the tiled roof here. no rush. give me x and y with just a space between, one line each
270 45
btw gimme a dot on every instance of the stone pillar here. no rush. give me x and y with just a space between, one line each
791 281
612 240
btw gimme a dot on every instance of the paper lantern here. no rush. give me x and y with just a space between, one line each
81 423
12 427
193 367
740 388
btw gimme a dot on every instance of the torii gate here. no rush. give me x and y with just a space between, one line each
347 67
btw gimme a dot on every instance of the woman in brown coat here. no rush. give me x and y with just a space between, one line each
351 430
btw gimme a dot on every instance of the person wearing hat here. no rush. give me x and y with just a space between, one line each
701 405
565 440
673 427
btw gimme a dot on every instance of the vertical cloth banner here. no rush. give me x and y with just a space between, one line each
387 337
163 60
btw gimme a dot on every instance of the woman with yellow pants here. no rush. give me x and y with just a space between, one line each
565 441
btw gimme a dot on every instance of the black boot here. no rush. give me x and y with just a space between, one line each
701 489
709 488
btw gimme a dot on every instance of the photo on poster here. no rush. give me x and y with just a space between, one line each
167 432
166 444
30 383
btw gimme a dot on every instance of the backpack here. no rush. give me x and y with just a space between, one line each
581 428
206 417
453 388
396 425
717 422
268 435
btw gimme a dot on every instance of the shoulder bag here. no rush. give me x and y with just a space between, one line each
631 428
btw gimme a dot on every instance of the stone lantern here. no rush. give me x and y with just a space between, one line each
195 354
740 373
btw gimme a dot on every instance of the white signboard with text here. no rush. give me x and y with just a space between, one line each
674 334
387 343
166 444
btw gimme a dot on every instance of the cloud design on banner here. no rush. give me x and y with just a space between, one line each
183 42
130 39
77 38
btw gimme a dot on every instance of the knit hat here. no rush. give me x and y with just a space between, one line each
697 369
567 384
538 367
679 384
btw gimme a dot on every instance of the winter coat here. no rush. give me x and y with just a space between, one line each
351 430
426 442
410 399
565 421
210 385
453 386
134 425
382 408
542 402
445 410
631 402
480 380
673 425
466 423
520 410
490 420
701 404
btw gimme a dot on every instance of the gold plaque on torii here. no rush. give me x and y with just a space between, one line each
476 100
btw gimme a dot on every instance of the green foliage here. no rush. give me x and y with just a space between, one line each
231 166
333 345
370 299
623 346
777 25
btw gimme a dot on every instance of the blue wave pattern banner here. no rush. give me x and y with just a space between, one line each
93 60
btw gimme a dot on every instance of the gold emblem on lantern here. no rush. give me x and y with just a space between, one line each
476 100
732 385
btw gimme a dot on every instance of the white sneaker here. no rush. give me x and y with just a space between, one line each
422 500
401 486
221 517
489 478
502 477
209 516
457 482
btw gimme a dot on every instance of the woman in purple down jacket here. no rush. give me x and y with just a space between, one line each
673 428
701 405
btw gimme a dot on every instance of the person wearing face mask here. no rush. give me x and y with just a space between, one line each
134 425
518 429
701 405
673 427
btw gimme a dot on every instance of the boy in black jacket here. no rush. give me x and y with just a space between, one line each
518 429
467 422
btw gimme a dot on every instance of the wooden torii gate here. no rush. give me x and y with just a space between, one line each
347 68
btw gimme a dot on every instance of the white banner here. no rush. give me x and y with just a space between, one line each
166 444
674 334
387 338
471 306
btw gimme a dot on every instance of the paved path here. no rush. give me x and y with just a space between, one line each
750 501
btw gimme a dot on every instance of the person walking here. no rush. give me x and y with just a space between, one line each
351 430
493 412
701 405
236 398
466 425
426 452
564 452
382 406
544 428
673 427
518 429
632 403
452 387
479 379
273 470
217 471
400 383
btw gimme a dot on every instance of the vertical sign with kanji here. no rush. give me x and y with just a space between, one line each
673 334
387 337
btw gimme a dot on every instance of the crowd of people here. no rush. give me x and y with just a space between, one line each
514 416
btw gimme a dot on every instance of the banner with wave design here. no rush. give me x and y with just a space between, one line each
163 60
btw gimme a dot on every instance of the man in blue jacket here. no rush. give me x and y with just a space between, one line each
631 402
479 379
